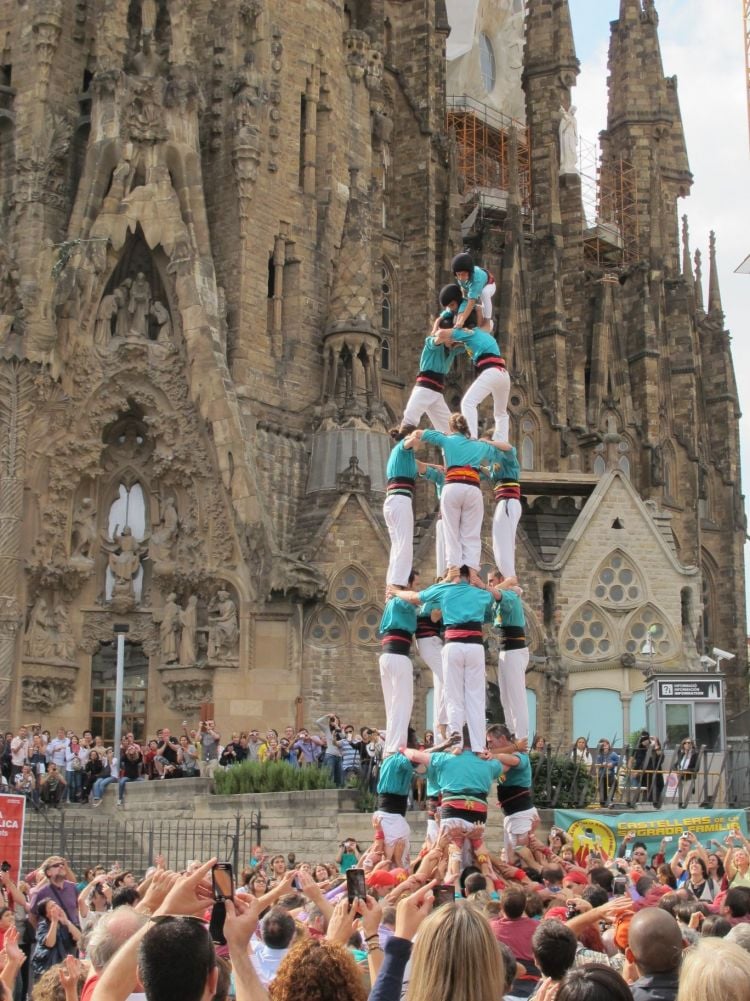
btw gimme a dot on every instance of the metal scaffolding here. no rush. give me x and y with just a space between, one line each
609 194
483 146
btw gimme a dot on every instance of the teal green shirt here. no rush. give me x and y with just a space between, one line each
396 773
505 467
402 462
477 342
461 451
454 774
520 774
458 602
509 610
436 477
437 357
398 614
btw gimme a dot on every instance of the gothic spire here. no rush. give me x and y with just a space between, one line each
715 309
687 264
698 282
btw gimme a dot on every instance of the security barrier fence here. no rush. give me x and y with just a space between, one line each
135 844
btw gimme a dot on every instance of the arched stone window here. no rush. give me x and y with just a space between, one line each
588 634
366 624
600 466
618 583
647 634
350 589
528 428
327 628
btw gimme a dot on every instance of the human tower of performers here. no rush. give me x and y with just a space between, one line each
446 619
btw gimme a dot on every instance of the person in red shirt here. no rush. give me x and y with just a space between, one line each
514 928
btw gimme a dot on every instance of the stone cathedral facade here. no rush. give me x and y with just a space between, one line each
223 227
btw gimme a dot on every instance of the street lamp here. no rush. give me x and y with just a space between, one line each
120 628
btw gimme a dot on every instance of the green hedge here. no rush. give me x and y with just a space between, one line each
570 787
269 776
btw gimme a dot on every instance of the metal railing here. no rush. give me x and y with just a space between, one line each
719 779
87 841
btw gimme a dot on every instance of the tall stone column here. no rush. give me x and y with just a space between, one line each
16 390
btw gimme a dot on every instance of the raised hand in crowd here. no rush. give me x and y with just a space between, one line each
412 910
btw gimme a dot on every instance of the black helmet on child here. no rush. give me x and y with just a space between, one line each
450 293
462 262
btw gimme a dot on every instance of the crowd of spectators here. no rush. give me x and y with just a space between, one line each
64 767
673 926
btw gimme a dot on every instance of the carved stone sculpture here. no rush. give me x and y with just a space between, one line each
189 622
161 314
187 696
84 530
125 554
223 628
103 326
139 305
39 641
42 695
64 644
169 630
164 536
568 141
122 298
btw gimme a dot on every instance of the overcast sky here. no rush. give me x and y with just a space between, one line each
702 43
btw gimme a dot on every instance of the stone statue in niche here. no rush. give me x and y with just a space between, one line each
39 640
139 305
223 628
84 530
122 298
125 554
160 313
64 643
169 630
164 536
568 141
189 623
104 317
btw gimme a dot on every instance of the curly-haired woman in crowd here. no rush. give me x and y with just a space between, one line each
317 970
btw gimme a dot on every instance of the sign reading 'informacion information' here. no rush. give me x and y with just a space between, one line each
689 691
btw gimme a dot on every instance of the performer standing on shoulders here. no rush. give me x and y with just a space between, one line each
397 627
514 791
505 476
513 658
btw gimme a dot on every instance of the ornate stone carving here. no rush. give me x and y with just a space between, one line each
169 630
248 97
84 531
353 479
125 554
98 629
42 695
223 629
568 141
143 119
291 576
188 653
49 636
187 696
357 47
164 537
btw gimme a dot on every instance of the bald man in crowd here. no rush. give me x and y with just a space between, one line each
655 946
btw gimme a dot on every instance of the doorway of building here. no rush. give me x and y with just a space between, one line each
103 680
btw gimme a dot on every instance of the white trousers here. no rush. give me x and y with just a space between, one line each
504 523
399 519
464 680
494 381
395 828
440 561
516 829
397 682
511 680
462 508
486 299
431 651
430 402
